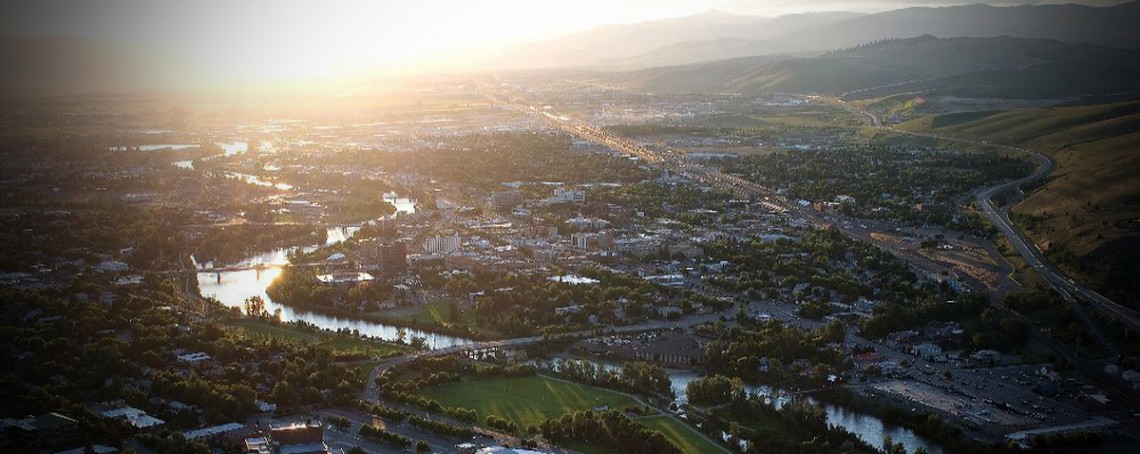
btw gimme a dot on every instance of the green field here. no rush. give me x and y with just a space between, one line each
683 436
341 345
526 401
435 314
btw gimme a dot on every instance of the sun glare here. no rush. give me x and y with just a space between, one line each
281 41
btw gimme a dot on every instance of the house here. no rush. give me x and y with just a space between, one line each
257 445
45 430
214 431
986 355
926 350
568 310
135 417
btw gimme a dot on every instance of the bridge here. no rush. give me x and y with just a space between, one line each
261 266
320 225
372 392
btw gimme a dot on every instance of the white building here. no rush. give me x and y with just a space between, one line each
568 196
442 244
584 241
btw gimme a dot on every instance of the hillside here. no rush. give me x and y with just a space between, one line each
966 67
1087 216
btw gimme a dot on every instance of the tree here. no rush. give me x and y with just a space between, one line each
453 311
890 447
254 306
422 447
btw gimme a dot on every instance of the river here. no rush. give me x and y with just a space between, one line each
870 429
231 288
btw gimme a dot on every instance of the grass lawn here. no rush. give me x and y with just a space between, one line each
681 435
436 313
342 345
527 400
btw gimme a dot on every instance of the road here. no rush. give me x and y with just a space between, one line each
1054 277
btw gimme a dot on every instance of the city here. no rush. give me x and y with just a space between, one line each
578 260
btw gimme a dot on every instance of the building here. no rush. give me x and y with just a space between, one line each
584 241
387 228
541 232
442 244
52 429
257 445
307 438
502 450
344 278
927 350
133 416
504 201
567 196
606 240
393 258
214 431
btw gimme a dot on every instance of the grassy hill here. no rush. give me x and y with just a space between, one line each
1087 215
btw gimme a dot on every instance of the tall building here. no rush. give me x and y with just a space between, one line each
393 258
584 241
387 228
504 201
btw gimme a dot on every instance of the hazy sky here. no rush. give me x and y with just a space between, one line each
301 38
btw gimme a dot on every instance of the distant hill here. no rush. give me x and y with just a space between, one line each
967 67
649 43
719 36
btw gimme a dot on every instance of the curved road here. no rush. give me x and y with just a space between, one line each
1054 277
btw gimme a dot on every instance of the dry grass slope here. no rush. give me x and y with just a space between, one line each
1088 213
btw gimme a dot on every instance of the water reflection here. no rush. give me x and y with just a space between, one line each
231 288
254 179
868 428
339 234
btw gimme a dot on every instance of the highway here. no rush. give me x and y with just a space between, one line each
1054 277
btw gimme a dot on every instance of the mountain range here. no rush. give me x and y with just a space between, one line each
735 45
718 36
